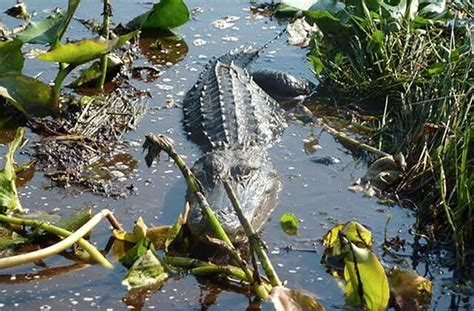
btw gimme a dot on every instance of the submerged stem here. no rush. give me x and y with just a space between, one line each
107 12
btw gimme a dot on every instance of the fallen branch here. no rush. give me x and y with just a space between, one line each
343 137
59 247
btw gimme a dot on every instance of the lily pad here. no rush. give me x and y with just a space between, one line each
11 59
146 271
136 252
289 223
353 231
165 14
9 201
174 232
19 89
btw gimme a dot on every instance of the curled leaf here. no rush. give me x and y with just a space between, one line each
9 201
146 271
289 223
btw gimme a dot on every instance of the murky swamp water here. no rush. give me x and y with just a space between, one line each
316 193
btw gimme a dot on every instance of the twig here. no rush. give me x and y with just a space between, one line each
72 238
107 12
342 136
255 242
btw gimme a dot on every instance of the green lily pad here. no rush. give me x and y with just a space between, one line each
174 232
9 201
146 271
27 94
289 223
165 14
11 59
136 252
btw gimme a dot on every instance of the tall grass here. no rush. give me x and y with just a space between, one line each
416 75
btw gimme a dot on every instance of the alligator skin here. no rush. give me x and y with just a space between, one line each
235 122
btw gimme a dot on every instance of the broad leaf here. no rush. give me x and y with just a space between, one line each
165 14
28 95
331 6
9 201
11 59
146 271
81 52
43 32
77 53
289 223
353 231
366 281
376 41
140 229
300 5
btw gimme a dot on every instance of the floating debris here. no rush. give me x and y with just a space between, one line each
199 42
230 39
226 22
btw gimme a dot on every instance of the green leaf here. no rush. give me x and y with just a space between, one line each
84 51
435 69
166 14
136 252
174 232
376 41
11 59
19 89
146 271
299 5
329 24
353 231
331 6
75 220
77 53
9 201
9 239
289 223
366 281
43 32
140 229
317 63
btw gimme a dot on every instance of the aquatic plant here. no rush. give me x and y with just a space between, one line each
17 88
411 67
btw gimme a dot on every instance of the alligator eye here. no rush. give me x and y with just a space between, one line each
241 172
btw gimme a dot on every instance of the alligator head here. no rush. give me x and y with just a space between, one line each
253 179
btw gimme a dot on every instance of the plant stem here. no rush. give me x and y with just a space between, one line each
253 237
342 136
107 12
70 239
58 81
198 267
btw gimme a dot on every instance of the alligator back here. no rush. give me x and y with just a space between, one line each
226 108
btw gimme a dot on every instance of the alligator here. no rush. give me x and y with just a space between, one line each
235 121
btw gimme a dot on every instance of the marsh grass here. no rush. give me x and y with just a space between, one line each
416 78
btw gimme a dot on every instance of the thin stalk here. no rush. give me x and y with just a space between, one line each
252 236
58 81
59 247
107 12
342 136
198 267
